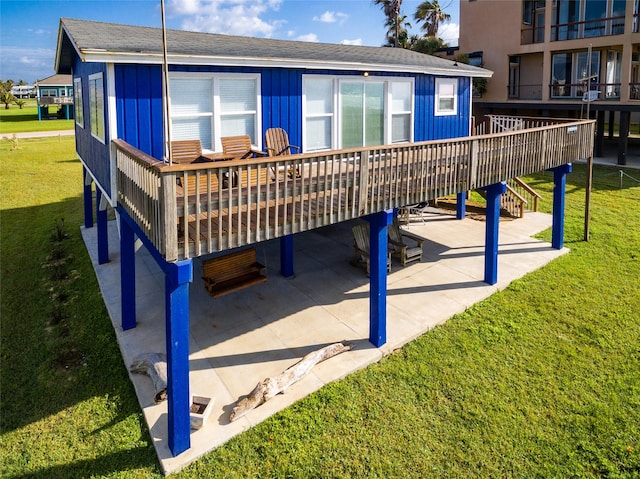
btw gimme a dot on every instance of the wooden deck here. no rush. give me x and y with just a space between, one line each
228 204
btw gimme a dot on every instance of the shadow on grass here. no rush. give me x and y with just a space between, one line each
103 466
59 350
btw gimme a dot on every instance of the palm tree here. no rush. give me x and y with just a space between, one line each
391 10
397 33
6 96
430 14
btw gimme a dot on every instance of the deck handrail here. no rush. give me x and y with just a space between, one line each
198 209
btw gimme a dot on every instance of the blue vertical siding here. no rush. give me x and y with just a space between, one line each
139 103
94 153
139 107
431 127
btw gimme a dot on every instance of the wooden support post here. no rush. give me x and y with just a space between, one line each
378 242
127 275
88 199
559 186
493 194
103 235
177 278
286 256
461 205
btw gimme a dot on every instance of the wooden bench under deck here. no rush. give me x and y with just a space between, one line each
232 272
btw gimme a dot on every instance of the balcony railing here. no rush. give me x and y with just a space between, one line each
590 28
55 100
576 91
198 209
525 92
532 35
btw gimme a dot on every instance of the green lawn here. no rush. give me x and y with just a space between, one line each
540 380
16 120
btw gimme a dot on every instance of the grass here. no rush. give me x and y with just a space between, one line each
539 380
16 120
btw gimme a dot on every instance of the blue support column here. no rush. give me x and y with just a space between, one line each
127 275
88 199
493 194
177 279
286 256
559 187
378 276
461 205
103 235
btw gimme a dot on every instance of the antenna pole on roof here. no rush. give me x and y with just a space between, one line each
165 91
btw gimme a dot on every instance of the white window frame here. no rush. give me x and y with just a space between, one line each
97 107
441 83
78 112
335 114
215 112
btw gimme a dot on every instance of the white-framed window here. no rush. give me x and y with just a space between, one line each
77 102
446 96
207 106
48 92
350 111
96 106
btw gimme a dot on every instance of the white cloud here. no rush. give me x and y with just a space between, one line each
331 17
237 17
357 41
39 31
309 37
29 64
449 32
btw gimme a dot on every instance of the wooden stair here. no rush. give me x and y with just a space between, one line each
518 198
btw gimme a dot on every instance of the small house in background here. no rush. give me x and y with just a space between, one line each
56 90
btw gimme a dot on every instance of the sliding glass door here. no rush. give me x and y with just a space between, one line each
361 113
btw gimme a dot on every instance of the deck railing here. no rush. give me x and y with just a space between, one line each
198 209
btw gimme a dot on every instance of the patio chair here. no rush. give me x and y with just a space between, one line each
406 252
361 246
185 151
278 144
240 147
418 209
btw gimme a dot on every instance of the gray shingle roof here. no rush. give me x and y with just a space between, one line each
108 42
57 80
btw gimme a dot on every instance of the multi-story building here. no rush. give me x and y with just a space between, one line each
558 58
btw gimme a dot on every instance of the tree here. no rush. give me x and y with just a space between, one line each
391 10
397 33
427 45
6 96
431 15
479 84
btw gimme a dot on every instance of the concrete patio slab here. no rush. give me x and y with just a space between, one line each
242 338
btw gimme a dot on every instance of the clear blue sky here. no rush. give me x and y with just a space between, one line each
29 29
